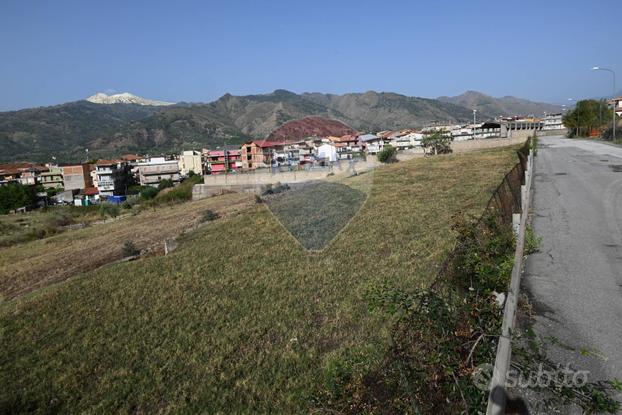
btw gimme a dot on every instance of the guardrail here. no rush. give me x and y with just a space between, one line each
497 396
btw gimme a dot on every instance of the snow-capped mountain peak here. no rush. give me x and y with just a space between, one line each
124 98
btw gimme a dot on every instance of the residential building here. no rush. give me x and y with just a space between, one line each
53 178
408 140
25 173
221 161
256 154
553 122
372 143
77 176
327 152
616 103
155 169
190 161
348 146
113 177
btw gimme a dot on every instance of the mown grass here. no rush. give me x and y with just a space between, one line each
317 211
239 319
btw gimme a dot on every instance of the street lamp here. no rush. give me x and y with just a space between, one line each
576 108
474 117
598 68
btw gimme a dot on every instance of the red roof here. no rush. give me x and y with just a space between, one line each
14 168
130 157
104 162
90 191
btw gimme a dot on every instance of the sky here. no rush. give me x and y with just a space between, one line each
58 51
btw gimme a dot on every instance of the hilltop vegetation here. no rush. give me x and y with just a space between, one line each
240 318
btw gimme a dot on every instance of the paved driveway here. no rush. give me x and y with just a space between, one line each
575 281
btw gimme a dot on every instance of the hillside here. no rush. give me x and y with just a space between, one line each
507 105
66 131
309 127
267 327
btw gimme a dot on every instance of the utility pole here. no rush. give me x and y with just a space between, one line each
474 118
613 73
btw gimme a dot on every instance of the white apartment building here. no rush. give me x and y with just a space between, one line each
155 169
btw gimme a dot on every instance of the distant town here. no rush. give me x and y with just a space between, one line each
88 183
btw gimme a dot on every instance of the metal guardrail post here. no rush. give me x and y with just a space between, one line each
497 395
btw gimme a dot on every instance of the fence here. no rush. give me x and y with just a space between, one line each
502 206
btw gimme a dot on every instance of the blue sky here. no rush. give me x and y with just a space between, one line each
58 51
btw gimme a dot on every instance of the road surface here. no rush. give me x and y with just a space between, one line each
575 281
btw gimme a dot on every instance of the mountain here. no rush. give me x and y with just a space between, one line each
124 98
66 131
310 127
492 107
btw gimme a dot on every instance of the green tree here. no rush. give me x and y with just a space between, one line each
387 155
16 195
589 115
438 142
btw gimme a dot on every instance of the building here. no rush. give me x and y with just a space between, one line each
372 143
77 176
190 161
24 173
348 146
155 169
552 122
256 154
221 161
113 177
327 152
616 103
53 178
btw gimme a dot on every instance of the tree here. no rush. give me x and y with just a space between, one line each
16 195
589 115
387 155
438 142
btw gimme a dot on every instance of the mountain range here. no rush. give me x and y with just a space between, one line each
133 124
503 106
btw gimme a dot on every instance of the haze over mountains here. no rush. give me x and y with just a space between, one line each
108 125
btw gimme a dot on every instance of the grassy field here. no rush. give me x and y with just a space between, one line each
240 318
38 224
29 266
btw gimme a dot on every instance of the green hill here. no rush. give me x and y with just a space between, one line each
66 131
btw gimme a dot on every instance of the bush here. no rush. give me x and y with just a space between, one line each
108 209
165 183
388 155
148 193
209 215
129 249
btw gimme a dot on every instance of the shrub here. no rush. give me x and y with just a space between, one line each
129 249
165 183
209 215
388 155
108 209
148 193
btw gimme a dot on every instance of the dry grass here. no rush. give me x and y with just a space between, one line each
240 318
27 267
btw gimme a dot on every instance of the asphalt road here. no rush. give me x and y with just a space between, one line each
575 281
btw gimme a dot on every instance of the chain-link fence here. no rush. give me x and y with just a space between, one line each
504 202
